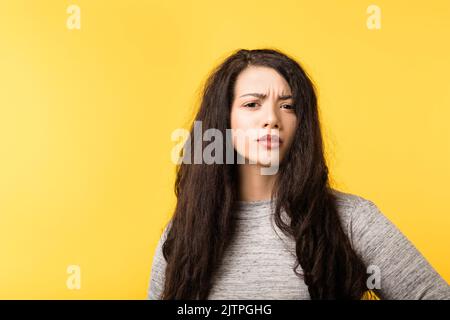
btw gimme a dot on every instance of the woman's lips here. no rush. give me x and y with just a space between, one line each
270 141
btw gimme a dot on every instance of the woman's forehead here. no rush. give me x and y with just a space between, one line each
261 80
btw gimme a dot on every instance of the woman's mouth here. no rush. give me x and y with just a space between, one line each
270 141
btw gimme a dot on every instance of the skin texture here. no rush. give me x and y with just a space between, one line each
254 116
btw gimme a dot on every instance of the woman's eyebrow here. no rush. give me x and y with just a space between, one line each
263 96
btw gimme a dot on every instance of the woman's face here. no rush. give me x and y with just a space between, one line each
262 105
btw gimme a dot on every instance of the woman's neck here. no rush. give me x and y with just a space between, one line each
254 186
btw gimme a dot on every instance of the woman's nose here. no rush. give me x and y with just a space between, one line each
271 117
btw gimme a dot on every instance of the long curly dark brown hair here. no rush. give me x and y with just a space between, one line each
203 221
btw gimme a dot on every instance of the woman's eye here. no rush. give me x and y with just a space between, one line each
250 104
287 106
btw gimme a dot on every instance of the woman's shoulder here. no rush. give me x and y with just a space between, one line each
353 208
348 202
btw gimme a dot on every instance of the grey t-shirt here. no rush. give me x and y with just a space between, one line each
259 262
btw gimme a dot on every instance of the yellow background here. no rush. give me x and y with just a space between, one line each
86 116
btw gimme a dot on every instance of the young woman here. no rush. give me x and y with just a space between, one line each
239 233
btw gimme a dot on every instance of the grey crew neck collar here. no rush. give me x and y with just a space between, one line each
254 209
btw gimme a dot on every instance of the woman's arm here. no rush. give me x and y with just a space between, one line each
157 276
404 272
